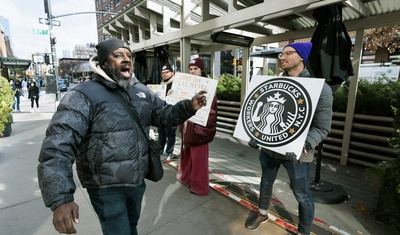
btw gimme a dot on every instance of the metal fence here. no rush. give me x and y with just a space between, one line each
369 142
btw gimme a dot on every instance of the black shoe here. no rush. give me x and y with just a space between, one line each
254 220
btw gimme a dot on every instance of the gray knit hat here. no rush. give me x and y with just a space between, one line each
105 48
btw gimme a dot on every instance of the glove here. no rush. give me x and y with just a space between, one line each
291 156
253 143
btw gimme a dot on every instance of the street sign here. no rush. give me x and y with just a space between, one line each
40 31
46 21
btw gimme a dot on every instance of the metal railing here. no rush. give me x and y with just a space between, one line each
369 141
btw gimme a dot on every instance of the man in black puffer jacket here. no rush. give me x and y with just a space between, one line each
93 128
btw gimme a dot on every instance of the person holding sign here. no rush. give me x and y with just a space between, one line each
193 166
293 59
167 134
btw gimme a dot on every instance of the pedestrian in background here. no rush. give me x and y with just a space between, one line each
17 95
24 88
193 163
33 95
293 59
94 128
167 135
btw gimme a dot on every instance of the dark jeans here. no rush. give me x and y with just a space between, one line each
118 208
168 135
36 100
299 174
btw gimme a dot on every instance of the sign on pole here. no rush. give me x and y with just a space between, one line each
47 21
40 31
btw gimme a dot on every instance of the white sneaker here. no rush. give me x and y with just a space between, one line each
37 110
32 111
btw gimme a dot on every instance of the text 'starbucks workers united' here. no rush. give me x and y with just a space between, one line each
276 112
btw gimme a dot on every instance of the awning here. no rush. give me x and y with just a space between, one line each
13 63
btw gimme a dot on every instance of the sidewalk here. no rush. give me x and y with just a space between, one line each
168 206
234 175
235 172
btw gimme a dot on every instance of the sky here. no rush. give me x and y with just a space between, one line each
23 18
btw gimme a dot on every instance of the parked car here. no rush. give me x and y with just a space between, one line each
62 85
66 81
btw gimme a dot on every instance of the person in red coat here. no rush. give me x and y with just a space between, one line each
193 166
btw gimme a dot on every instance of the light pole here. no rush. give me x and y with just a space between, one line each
53 41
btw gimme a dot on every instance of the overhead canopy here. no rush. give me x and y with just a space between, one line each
12 63
152 23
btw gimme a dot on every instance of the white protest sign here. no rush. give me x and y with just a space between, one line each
278 112
159 90
185 86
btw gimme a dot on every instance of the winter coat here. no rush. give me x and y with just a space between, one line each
321 122
93 128
196 134
33 92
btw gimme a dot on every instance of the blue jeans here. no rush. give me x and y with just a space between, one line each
299 174
17 101
118 208
167 135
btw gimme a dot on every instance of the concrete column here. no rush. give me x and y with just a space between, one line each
216 64
351 99
245 72
185 54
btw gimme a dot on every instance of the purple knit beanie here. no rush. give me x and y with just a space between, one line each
303 48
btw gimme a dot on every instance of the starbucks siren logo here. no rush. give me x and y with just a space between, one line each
276 112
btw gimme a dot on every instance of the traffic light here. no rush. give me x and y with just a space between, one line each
53 40
46 6
46 59
234 61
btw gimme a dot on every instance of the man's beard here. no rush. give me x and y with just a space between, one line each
114 75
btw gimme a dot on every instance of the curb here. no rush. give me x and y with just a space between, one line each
273 217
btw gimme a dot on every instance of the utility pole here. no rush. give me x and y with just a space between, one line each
53 41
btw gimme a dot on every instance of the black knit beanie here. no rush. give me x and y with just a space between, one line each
105 48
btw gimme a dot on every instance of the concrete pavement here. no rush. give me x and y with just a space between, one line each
168 206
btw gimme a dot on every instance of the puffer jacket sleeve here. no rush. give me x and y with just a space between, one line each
167 115
322 120
57 155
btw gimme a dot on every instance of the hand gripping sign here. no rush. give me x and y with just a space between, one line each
278 111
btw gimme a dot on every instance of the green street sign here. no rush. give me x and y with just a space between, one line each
40 31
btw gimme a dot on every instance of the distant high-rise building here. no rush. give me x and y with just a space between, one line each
84 51
5 38
109 6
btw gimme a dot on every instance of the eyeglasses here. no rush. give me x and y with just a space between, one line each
286 53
